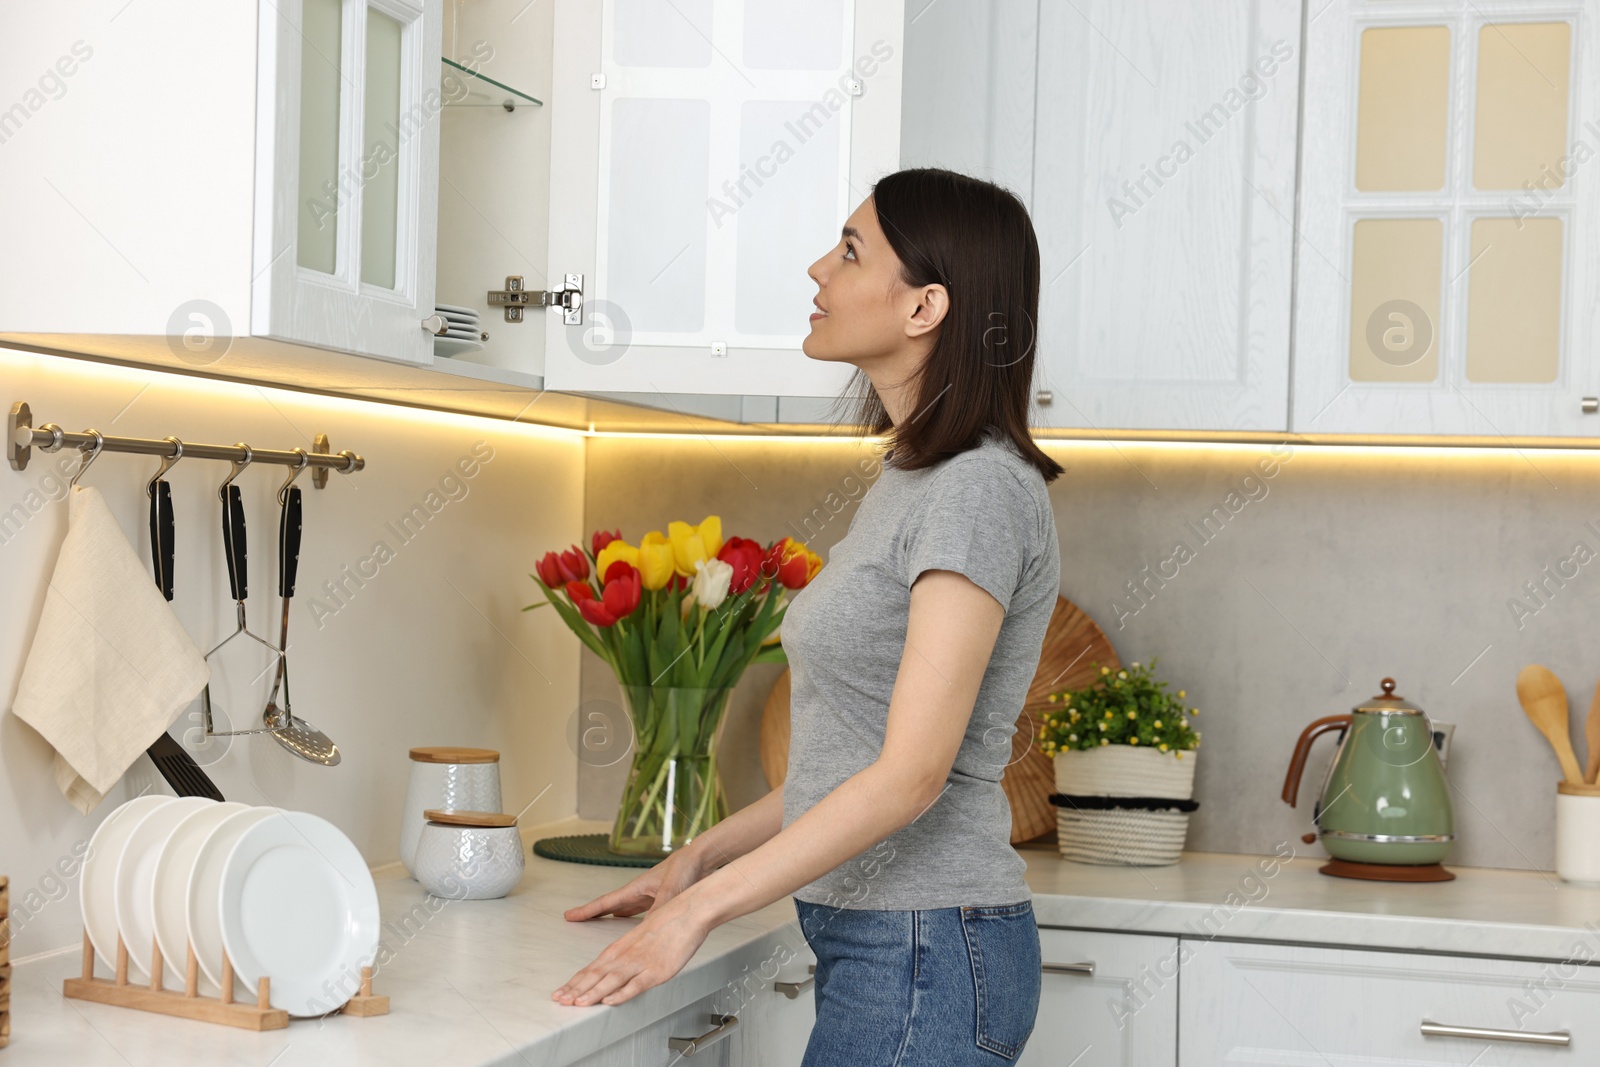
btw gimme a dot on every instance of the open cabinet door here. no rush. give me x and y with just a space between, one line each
347 175
704 153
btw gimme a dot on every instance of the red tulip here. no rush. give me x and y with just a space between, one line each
601 539
569 566
790 569
618 600
744 556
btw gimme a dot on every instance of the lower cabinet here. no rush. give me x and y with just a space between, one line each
1291 1005
1106 1000
762 1019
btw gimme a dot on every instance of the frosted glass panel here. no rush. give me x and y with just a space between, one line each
1394 300
1402 110
656 213
1514 300
787 221
1521 122
662 33
789 35
380 186
316 233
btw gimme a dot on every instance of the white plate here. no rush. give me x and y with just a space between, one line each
453 316
462 332
97 887
200 898
169 892
136 870
452 346
455 309
299 906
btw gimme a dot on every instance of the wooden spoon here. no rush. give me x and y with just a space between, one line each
1591 733
1545 700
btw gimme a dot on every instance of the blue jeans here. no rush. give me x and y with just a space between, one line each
941 987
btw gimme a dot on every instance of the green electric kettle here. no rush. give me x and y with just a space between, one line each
1384 809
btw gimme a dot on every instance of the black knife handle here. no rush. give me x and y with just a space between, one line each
161 535
289 542
233 542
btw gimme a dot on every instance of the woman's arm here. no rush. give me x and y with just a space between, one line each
729 839
950 636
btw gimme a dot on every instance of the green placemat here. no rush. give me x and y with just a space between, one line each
587 848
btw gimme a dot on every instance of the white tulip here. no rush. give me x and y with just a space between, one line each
711 579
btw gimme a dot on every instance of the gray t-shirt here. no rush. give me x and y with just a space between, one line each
986 514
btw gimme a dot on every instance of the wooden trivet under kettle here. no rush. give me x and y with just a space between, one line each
1073 651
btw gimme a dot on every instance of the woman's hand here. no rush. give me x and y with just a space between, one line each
645 956
650 890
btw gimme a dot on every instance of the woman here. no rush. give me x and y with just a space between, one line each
910 655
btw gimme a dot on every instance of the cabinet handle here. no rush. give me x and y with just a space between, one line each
1591 404
434 324
792 990
1554 1037
1086 967
725 1025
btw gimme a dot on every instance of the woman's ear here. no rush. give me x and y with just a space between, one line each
932 303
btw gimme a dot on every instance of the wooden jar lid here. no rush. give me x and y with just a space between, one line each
488 819
455 755
1575 789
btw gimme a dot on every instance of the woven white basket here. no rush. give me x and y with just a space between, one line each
1122 837
1125 771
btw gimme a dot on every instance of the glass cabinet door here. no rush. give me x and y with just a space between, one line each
347 175
711 150
1447 193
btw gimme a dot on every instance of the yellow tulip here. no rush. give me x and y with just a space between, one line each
690 544
615 550
655 560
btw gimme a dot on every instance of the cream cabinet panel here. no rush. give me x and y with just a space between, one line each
1302 1006
1107 1000
1163 197
1448 196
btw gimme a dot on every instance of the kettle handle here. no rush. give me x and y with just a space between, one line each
1302 749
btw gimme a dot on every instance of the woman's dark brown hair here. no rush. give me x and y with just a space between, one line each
975 239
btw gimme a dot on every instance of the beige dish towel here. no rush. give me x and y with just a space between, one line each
111 666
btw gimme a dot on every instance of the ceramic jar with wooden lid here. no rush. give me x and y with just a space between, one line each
449 779
469 855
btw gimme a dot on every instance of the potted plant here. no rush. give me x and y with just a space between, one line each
1124 752
678 617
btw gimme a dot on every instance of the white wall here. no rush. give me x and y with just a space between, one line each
433 649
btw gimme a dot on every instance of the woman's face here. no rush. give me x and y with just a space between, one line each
863 311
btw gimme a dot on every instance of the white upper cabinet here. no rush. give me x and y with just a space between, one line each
1163 198
704 153
199 178
345 244
1449 196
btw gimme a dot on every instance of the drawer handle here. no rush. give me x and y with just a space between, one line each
792 990
1554 1037
1086 967
725 1025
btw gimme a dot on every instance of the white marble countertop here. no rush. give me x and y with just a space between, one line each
1484 911
470 980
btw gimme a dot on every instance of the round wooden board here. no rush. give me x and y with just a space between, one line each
1074 650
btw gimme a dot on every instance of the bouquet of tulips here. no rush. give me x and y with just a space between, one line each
678 617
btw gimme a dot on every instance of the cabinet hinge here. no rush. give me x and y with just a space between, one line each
569 298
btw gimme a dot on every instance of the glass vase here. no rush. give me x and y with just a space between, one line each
673 791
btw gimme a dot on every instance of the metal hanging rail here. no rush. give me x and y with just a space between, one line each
22 436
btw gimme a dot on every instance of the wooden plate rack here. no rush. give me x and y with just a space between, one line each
189 1004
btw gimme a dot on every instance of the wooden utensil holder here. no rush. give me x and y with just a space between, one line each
189 1004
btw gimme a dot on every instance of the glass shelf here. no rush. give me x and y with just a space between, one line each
464 87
